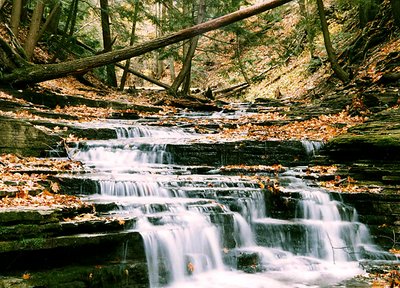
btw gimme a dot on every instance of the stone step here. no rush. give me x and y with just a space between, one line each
247 152
287 153
94 259
87 184
296 236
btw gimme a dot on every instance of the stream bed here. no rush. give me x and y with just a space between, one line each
203 227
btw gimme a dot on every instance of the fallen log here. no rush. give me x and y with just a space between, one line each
38 73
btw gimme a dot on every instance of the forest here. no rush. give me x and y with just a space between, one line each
200 143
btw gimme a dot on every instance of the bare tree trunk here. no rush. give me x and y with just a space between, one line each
158 62
238 52
54 17
107 41
2 3
341 74
10 58
16 16
171 59
396 11
187 64
53 14
310 33
172 68
34 29
131 41
69 25
43 72
141 75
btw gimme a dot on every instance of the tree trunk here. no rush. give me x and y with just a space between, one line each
187 64
69 25
55 11
396 11
34 29
159 63
16 16
10 59
171 59
54 17
140 75
341 74
308 26
238 54
172 68
131 41
367 11
107 41
2 3
39 73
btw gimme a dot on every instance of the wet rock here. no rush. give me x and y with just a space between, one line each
287 153
380 212
248 262
52 100
77 185
291 236
21 137
376 139
12 216
107 275
372 146
11 282
80 249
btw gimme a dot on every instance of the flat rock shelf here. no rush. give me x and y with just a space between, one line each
171 208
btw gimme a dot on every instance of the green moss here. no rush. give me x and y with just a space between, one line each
31 243
388 141
107 275
20 231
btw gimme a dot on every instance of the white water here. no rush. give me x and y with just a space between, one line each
182 220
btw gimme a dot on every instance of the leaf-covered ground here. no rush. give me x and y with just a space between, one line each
26 181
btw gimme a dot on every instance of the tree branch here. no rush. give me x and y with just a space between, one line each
52 71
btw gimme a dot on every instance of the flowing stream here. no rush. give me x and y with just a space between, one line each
212 230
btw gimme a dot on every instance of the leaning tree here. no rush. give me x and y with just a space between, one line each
16 70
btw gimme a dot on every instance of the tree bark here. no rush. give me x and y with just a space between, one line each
69 25
396 11
34 29
131 41
140 75
341 74
187 64
158 62
53 19
53 14
2 3
16 16
107 41
45 72
238 54
308 26
10 59
367 11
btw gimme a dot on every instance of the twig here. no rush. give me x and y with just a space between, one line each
336 248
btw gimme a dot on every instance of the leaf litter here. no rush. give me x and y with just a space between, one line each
25 181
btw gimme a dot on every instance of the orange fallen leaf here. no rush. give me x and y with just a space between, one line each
190 267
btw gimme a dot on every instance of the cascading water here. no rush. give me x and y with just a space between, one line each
194 237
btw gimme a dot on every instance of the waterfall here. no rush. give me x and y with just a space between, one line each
312 147
202 230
